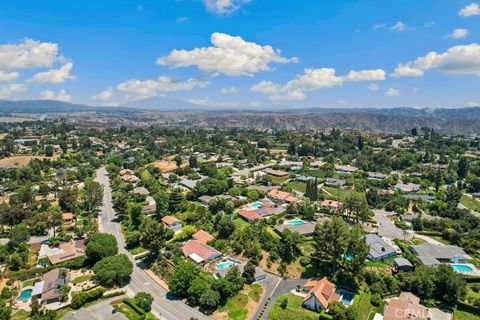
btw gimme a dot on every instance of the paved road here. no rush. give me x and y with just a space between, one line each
164 306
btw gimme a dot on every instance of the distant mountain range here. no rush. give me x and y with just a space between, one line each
163 110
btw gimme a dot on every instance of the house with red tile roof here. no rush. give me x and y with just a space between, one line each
331 205
202 236
276 173
281 196
321 293
172 223
199 252
251 216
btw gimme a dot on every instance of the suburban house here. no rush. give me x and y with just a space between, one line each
68 217
434 255
141 190
276 173
407 187
345 169
320 293
376 175
402 264
379 248
339 183
151 207
205 200
64 252
172 223
281 196
202 236
306 229
200 252
48 290
331 205
251 216
407 306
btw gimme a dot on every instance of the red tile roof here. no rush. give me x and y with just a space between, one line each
323 290
202 236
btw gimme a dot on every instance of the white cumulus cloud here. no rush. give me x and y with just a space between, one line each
392 92
8 76
459 33
55 75
62 95
472 9
313 79
462 59
229 55
28 54
134 89
224 7
399 26
7 91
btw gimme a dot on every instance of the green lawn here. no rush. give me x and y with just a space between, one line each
462 315
29 282
81 279
297 186
128 312
137 250
236 306
294 309
339 194
241 223
21 315
362 304
278 180
470 203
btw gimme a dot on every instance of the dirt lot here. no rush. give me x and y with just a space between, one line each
165 166
19 161
14 119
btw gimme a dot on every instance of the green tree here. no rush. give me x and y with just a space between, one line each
113 270
330 242
67 199
175 200
193 161
235 278
450 286
49 150
153 235
18 235
101 245
92 196
144 300
249 272
197 288
181 278
462 167
357 206
210 299
134 211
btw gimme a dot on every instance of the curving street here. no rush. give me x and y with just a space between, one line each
163 306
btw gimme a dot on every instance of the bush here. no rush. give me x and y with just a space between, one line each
131 304
144 300
376 300
82 297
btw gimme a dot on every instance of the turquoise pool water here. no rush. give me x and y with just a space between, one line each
462 268
225 265
295 222
347 297
256 204
25 295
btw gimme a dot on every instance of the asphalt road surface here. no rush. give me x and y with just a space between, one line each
163 306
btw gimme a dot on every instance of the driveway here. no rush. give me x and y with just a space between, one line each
281 286
98 311
164 305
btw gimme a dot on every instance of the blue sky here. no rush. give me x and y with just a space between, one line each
243 53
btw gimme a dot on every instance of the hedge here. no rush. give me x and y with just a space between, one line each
131 303
462 306
82 297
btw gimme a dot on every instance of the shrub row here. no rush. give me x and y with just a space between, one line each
82 297
131 303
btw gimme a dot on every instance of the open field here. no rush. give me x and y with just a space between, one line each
470 203
14 119
19 161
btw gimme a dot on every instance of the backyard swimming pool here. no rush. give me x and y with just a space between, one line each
225 265
25 295
256 204
295 222
346 297
461 268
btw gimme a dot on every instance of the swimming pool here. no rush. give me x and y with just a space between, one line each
25 295
225 265
461 268
295 222
346 297
256 204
